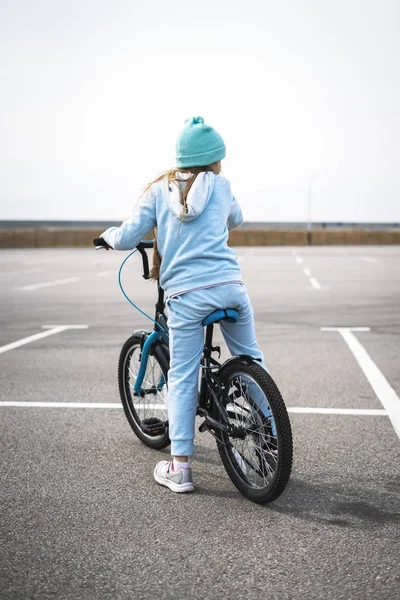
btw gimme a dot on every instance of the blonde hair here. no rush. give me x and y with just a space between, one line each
172 176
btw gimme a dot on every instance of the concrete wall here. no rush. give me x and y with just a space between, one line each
67 238
47 238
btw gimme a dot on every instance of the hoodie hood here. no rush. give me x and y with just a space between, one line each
198 197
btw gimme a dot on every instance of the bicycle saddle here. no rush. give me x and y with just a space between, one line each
222 314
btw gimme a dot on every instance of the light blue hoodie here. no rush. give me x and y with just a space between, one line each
193 247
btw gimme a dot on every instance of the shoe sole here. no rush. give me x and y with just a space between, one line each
179 488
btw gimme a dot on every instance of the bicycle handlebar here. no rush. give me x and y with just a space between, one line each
141 247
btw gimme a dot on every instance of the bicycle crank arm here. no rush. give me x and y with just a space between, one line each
209 422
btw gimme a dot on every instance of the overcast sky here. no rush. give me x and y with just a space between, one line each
304 93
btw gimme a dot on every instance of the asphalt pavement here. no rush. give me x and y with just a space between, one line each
81 516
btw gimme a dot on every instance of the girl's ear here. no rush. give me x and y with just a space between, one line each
216 167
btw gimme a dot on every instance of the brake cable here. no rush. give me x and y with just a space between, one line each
126 295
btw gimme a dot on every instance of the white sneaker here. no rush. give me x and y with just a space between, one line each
177 481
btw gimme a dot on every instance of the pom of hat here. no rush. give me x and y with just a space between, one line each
194 121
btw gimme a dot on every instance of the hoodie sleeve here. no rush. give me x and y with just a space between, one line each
235 216
133 229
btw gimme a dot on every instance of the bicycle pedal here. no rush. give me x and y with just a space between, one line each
203 426
216 349
154 427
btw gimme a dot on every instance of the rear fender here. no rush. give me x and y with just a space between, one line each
246 359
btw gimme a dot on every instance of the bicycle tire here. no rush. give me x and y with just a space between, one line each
132 345
236 462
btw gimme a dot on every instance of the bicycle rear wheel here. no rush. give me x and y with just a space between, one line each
258 457
152 402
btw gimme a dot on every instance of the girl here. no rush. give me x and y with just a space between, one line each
193 208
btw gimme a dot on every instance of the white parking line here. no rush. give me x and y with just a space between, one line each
18 273
62 404
369 259
314 283
384 391
51 330
35 286
307 272
104 273
371 412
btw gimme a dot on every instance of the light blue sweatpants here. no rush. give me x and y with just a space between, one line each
186 334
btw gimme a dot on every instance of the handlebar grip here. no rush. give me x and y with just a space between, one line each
100 243
145 245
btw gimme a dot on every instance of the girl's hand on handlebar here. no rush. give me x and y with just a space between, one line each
100 243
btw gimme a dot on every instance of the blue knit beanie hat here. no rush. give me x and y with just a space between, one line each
198 144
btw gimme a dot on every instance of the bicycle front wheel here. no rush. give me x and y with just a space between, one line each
258 455
152 403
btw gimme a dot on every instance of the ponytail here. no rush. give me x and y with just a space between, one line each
172 176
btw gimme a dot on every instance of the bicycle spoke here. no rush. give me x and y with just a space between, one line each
148 405
256 454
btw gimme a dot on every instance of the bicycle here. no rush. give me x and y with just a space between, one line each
239 401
